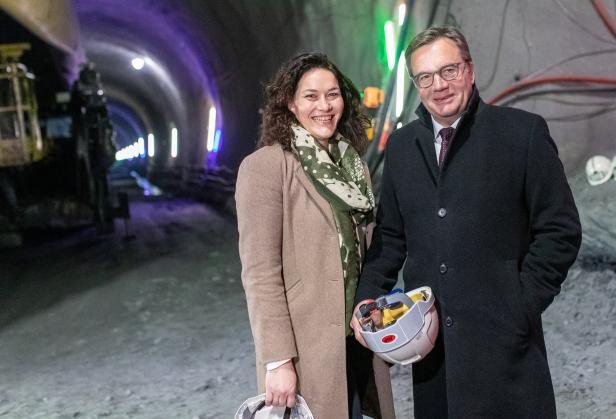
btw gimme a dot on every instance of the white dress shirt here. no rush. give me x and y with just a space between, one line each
273 365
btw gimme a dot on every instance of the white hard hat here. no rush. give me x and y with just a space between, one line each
599 169
412 336
254 408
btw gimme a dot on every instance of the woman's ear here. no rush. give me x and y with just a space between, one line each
292 108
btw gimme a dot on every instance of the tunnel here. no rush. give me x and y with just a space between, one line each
120 277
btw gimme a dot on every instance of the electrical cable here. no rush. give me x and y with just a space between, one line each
498 49
573 19
527 43
611 26
375 156
570 58
384 111
604 15
594 92
435 8
575 103
545 80
580 117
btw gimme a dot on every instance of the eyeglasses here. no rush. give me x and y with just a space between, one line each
448 73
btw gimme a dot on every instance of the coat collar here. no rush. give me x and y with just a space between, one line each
474 103
425 133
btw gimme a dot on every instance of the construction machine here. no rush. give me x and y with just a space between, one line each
53 172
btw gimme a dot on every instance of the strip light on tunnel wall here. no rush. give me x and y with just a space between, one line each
401 14
211 129
174 142
132 151
151 146
141 147
390 44
216 141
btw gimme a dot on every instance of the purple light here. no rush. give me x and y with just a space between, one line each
216 145
211 159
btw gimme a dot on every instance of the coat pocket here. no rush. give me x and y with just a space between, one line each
519 306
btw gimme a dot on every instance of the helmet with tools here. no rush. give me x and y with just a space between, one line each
400 328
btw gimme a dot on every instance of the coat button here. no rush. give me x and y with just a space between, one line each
442 268
448 321
442 212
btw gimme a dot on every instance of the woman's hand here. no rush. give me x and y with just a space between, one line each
280 385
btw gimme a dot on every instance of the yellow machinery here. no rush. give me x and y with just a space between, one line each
21 142
50 181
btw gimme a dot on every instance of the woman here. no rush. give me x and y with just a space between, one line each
303 206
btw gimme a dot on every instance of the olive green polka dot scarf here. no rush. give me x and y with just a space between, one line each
339 176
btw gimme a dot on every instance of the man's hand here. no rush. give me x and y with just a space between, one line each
356 326
280 385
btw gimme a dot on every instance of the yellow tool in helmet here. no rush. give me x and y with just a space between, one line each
393 312
419 296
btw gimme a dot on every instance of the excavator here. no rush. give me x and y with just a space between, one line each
52 177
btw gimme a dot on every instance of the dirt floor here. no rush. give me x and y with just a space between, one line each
155 326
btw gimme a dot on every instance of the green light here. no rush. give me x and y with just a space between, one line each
390 44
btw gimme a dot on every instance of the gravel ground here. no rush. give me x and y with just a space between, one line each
156 326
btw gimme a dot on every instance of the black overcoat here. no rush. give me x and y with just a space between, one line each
494 233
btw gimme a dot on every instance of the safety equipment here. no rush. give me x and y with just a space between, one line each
599 169
254 408
407 335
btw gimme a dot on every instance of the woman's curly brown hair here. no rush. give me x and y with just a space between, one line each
277 118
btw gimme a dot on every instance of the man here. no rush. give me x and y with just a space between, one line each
485 217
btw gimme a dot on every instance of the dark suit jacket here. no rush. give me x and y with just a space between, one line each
494 234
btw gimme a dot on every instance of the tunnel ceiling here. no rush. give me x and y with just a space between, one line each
172 86
219 52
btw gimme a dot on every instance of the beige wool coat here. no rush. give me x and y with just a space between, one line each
292 276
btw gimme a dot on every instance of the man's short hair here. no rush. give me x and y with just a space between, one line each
436 32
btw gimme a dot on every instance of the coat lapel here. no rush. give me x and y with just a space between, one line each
425 141
321 202
425 138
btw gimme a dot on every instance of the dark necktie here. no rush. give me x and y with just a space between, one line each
446 134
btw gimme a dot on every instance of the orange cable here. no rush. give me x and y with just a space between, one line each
605 16
545 80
